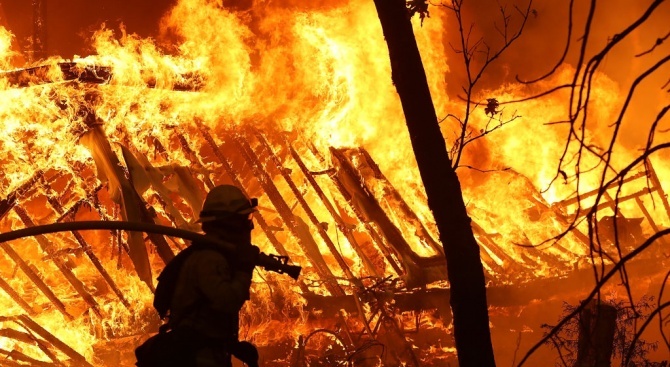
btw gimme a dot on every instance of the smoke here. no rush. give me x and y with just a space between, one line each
543 42
70 24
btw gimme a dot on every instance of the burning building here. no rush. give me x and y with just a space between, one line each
295 106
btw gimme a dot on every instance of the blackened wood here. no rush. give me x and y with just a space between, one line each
650 219
658 186
193 157
55 204
53 340
70 71
445 198
15 355
612 204
29 338
577 199
341 225
399 203
72 210
36 279
294 224
306 208
8 203
89 74
370 230
419 270
49 248
16 297
234 175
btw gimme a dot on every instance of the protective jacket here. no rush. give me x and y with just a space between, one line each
209 295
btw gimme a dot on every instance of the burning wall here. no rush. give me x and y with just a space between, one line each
279 101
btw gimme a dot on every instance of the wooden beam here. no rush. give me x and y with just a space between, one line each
65 269
303 203
341 225
295 225
36 279
234 175
382 245
16 297
55 204
53 340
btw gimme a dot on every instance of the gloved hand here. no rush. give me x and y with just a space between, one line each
246 257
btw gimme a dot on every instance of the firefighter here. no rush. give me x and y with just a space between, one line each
209 290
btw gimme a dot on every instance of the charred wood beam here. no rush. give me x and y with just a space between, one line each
70 71
408 214
371 231
55 204
295 224
341 225
73 209
420 271
8 203
29 338
486 242
651 174
531 256
36 279
305 206
560 217
650 219
612 204
137 170
233 174
89 74
557 288
16 297
34 327
658 186
487 258
576 199
22 359
61 264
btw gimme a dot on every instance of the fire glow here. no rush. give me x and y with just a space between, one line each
278 99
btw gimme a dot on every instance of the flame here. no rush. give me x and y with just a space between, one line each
321 75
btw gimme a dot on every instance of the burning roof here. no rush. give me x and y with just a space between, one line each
141 134
334 212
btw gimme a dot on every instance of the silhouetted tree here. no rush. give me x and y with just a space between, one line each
612 253
445 199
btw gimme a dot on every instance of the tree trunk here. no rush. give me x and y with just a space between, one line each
445 199
597 324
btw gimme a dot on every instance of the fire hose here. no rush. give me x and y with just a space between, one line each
269 262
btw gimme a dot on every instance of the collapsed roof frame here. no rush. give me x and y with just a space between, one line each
346 191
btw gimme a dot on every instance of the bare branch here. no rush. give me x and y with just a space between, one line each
486 170
606 277
659 41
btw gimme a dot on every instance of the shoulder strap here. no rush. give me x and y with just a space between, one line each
167 280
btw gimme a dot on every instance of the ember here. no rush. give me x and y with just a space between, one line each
296 107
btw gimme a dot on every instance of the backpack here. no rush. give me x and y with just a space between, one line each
178 347
167 280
